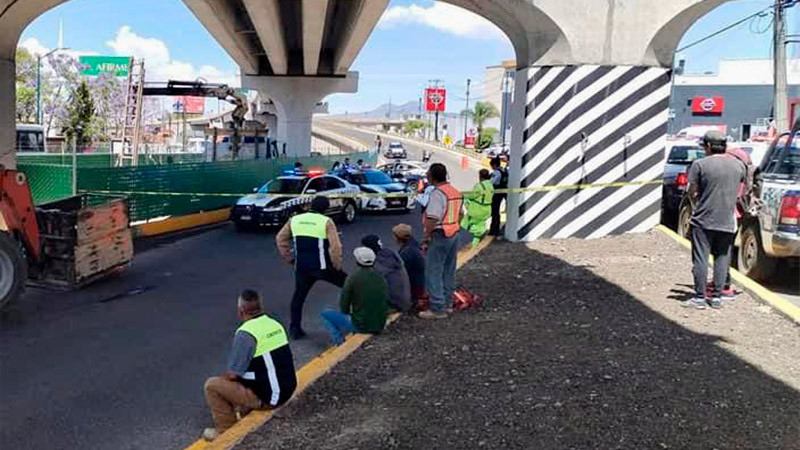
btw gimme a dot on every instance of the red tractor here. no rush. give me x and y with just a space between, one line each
19 234
62 245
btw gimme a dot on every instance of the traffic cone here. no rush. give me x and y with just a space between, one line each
464 163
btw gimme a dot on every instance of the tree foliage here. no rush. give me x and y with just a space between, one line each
26 86
482 112
412 126
81 124
486 138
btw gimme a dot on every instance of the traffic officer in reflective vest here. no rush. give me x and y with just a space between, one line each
260 368
441 222
317 256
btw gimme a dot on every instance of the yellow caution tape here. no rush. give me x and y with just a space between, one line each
565 187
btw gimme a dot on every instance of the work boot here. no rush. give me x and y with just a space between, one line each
431 315
297 334
695 302
210 434
715 303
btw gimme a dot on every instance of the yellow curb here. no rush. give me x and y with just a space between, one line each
313 371
752 287
180 223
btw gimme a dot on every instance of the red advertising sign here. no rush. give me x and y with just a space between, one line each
435 99
190 105
708 106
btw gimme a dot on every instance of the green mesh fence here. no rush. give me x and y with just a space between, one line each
231 177
48 182
107 159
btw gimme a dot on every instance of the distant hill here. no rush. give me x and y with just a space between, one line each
382 112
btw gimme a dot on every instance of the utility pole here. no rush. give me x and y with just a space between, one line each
466 111
781 91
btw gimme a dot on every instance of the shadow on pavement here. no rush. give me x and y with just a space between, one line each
558 357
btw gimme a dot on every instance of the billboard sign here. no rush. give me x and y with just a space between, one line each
95 65
190 105
435 99
708 106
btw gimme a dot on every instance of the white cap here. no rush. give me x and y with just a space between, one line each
364 256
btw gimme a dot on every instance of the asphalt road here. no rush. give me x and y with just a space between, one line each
460 178
121 364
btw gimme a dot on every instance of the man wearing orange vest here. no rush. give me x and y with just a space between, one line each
441 219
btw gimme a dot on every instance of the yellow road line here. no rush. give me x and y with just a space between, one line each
755 289
179 223
311 372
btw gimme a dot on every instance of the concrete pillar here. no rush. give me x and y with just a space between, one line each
295 99
599 126
8 107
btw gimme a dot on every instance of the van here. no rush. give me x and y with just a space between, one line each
30 138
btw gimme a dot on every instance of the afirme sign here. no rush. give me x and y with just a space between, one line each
95 65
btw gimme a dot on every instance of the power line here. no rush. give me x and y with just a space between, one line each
729 27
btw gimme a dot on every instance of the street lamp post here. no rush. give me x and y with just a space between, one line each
39 118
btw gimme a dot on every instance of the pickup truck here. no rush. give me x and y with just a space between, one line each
772 234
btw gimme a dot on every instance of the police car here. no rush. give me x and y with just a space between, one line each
408 172
275 202
376 182
396 150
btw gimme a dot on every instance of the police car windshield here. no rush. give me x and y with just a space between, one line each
784 161
377 177
685 154
283 186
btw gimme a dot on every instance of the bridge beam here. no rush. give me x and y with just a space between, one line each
295 100
314 14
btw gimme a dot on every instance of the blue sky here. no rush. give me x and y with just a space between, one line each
400 57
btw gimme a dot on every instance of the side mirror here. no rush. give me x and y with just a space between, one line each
255 189
311 191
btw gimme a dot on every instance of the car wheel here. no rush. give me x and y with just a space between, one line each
752 260
13 270
349 212
684 221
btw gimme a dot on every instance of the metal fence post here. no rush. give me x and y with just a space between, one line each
75 165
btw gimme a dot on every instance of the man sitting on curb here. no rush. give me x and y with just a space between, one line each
414 261
364 301
260 368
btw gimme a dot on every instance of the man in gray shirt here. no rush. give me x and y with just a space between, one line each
713 189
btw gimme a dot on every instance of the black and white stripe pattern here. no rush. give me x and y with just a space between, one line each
592 124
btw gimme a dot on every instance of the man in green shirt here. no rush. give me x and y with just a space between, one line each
364 301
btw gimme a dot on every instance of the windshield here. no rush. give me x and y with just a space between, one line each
283 186
685 154
376 177
784 161
30 141
395 145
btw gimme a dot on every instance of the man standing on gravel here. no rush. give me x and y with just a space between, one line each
713 190
441 219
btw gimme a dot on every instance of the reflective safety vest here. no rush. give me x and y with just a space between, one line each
270 374
310 234
452 215
479 202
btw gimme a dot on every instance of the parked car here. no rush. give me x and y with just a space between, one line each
264 208
396 150
772 235
756 150
408 172
30 138
373 181
680 156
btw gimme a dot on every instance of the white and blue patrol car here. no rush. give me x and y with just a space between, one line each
371 181
275 202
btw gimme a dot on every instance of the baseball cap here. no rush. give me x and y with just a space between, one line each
364 256
714 137
402 231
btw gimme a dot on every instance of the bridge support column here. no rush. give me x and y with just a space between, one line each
295 99
602 127
8 112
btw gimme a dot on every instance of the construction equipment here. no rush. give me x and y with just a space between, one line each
201 89
132 124
65 244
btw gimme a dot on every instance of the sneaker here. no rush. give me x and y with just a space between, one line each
430 315
297 334
715 303
210 434
728 294
695 302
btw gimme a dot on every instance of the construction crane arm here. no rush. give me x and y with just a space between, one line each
200 89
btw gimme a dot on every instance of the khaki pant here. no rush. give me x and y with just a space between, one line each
223 396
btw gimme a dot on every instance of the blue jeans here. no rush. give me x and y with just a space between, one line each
440 270
338 324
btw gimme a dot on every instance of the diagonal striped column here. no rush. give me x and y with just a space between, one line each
588 125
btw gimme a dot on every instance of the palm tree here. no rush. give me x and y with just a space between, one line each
483 111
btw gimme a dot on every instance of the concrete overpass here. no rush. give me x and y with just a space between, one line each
592 86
